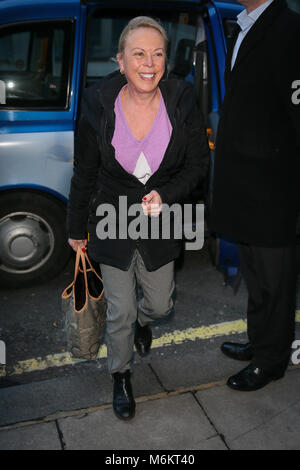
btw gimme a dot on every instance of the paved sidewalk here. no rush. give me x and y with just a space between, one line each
200 417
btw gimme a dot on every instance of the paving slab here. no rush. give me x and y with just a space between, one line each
265 419
37 437
175 422
194 363
281 432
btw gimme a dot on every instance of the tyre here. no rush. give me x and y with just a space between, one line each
33 238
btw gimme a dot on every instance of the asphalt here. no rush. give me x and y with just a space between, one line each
183 403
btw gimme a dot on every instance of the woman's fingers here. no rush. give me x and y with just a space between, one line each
151 204
75 244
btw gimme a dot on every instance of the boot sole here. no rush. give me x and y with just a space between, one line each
122 418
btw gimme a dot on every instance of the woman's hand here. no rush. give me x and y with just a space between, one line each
75 244
152 203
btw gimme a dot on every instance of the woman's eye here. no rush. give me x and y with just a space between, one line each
139 54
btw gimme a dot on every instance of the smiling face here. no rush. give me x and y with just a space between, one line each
143 59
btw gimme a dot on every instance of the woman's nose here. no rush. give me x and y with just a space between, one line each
148 60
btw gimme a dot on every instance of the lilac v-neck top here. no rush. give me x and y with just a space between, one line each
141 157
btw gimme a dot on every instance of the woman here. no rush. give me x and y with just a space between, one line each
139 136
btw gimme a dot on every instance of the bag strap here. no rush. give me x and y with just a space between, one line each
69 289
83 259
80 258
92 269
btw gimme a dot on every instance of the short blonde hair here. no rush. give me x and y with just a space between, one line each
142 22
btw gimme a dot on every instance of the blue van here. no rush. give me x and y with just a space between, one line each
50 51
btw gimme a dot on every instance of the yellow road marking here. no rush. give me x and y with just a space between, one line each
168 339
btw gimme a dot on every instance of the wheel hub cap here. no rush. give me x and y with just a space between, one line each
26 242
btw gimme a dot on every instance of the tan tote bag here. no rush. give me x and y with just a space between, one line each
84 306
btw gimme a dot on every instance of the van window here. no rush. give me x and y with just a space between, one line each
103 37
35 65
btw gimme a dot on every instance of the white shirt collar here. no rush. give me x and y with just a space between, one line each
246 20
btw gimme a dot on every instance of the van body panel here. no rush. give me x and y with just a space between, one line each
21 160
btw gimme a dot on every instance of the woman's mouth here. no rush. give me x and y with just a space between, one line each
147 76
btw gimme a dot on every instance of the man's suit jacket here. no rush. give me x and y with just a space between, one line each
257 172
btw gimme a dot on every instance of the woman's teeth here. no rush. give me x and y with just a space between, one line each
147 75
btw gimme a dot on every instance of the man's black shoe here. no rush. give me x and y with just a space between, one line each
240 352
123 401
142 338
252 378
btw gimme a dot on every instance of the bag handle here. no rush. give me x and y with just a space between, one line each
91 269
84 259
70 288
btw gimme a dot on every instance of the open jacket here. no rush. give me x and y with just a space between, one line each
257 162
99 178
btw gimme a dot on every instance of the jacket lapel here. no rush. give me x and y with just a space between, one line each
258 30
231 42
109 88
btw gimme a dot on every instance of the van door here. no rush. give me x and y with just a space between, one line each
37 105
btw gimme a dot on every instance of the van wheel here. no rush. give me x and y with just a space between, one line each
33 239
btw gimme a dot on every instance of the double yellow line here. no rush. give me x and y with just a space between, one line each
168 339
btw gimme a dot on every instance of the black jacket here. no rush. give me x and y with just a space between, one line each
99 178
256 176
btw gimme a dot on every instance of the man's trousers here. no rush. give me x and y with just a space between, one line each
270 275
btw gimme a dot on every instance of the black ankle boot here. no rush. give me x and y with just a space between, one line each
142 339
123 401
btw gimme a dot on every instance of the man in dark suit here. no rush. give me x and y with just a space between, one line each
256 182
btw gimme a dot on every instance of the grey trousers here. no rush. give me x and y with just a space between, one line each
123 309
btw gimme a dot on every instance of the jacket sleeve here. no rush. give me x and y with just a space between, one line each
86 167
195 168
